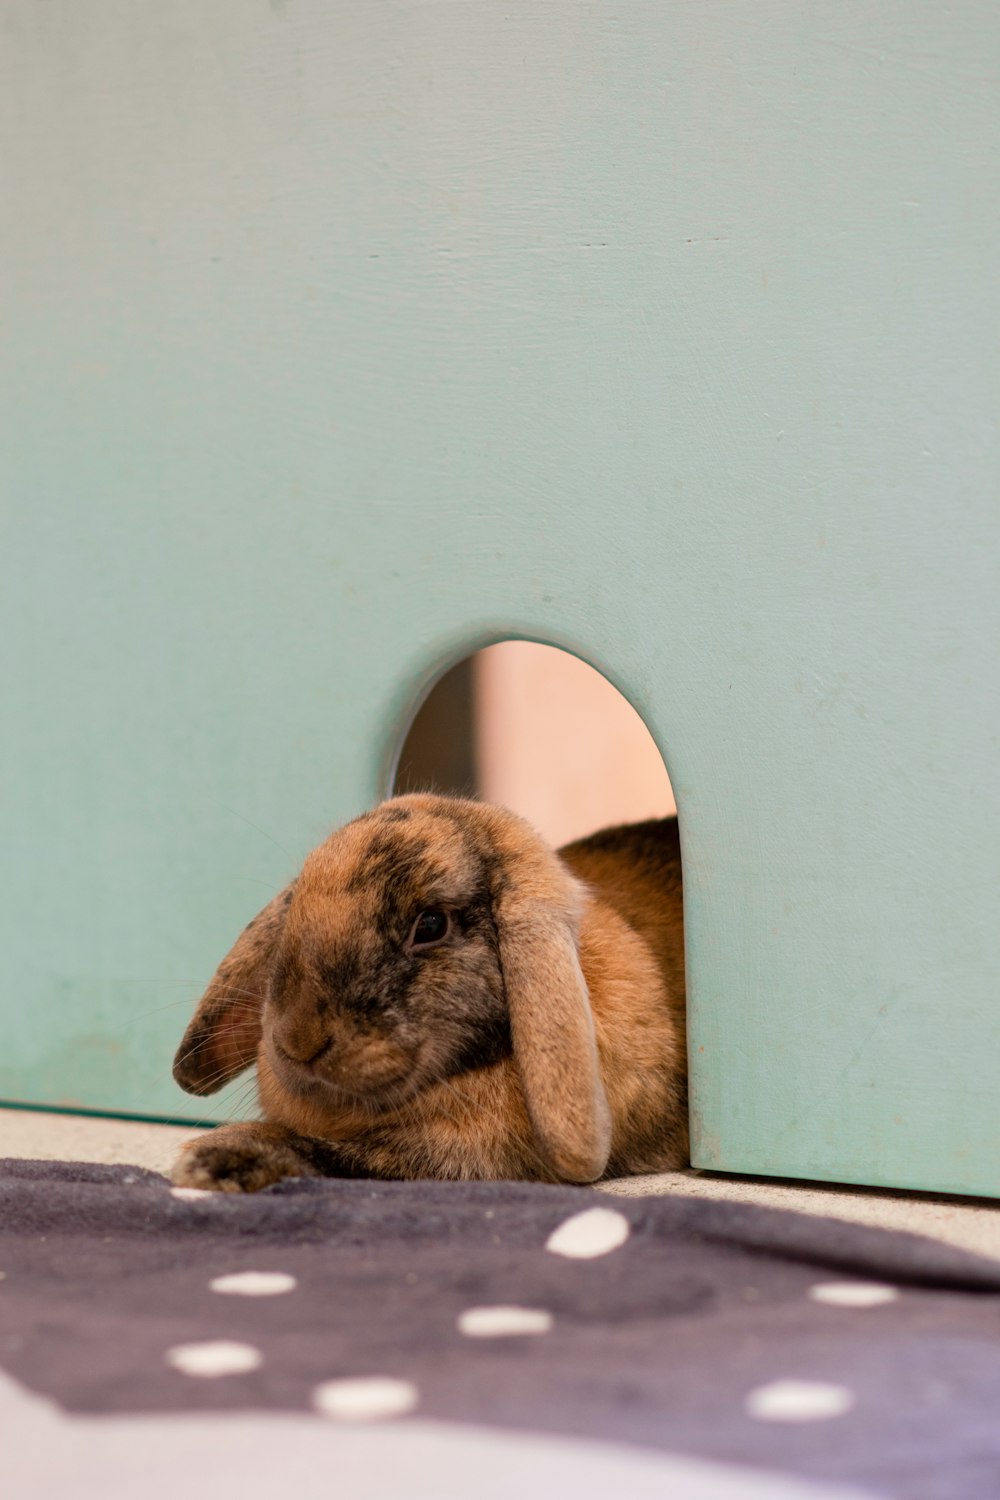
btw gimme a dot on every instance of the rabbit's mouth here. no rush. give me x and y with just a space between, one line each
377 1074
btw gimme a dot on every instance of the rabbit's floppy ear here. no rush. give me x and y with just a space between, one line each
555 1049
224 1033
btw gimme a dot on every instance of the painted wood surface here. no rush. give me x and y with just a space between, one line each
340 339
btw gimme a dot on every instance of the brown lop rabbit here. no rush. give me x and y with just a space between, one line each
439 994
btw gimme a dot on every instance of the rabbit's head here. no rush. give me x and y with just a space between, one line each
427 938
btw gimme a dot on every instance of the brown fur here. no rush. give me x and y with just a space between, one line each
542 1038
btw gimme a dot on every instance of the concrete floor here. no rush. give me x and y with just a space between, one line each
973 1224
57 1137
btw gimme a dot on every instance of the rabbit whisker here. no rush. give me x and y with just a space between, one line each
257 828
156 1010
219 1076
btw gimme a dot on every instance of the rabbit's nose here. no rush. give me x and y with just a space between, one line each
297 1057
304 1042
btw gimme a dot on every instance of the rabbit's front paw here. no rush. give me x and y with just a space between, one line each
238 1159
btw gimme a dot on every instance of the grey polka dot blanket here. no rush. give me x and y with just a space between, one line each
737 1341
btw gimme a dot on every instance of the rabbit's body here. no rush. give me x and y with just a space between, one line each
634 876
439 994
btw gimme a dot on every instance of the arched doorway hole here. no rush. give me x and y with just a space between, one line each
537 730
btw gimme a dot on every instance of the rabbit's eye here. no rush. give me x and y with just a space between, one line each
430 927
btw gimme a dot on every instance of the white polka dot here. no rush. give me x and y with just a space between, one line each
254 1283
190 1193
852 1293
502 1322
211 1359
594 1232
371 1398
799 1401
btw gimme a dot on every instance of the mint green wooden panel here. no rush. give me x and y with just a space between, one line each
339 339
